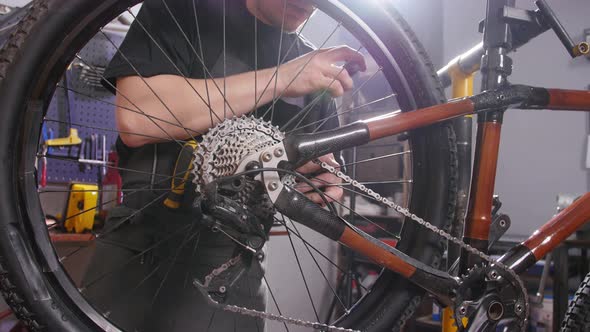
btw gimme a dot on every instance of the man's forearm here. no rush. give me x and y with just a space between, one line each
168 107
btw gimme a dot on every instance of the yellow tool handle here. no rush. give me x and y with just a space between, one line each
72 139
182 171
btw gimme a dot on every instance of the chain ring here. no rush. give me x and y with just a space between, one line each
482 278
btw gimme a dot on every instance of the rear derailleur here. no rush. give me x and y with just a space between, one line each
239 208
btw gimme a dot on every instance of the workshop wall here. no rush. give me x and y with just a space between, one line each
542 153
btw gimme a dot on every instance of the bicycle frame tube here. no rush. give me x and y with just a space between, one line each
297 207
305 147
549 235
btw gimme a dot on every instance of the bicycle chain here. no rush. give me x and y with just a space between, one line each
330 328
434 229
256 313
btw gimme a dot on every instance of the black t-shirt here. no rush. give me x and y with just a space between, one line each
177 38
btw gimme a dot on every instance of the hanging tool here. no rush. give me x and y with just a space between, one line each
73 139
103 168
46 134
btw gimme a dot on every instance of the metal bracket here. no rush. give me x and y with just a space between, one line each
524 24
500 223
499 227
268 158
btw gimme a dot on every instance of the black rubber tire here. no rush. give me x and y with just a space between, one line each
32 280
577 317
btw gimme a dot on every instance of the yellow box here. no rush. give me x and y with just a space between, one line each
81 207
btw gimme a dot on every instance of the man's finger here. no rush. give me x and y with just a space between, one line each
316 198
312 167
341 75
319 181
333 85
331 194
309 167
330 160
334 193
348 55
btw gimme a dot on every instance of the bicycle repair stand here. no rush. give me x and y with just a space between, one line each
503 32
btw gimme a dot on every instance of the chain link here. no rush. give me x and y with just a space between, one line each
256 313
434 229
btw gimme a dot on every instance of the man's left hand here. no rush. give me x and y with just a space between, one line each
326 181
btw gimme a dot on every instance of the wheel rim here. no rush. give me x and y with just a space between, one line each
96 317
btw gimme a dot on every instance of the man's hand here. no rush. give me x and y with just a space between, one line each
326 181
317 71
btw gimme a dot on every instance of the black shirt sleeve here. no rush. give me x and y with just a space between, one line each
155 44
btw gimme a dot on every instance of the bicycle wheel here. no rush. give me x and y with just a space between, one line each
577 317
35 280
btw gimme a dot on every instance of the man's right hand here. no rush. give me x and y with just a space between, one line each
318 70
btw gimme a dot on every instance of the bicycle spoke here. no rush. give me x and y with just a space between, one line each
126 108
397 154
359 215
200 59
211 320
148 85
104 129
274 93
126 98
355 92
337 113
121 299
108 166
360 194
252 305
180 73
186 239
115 199
124 220
194 252
272 295
302 274
301 70
341 269
256 66
236 241
319 268
369 183
293 43
307 109
130 260
224 58
51 191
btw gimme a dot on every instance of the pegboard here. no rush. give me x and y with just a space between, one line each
90 106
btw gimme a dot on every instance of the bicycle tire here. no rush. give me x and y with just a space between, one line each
577 317
31 280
